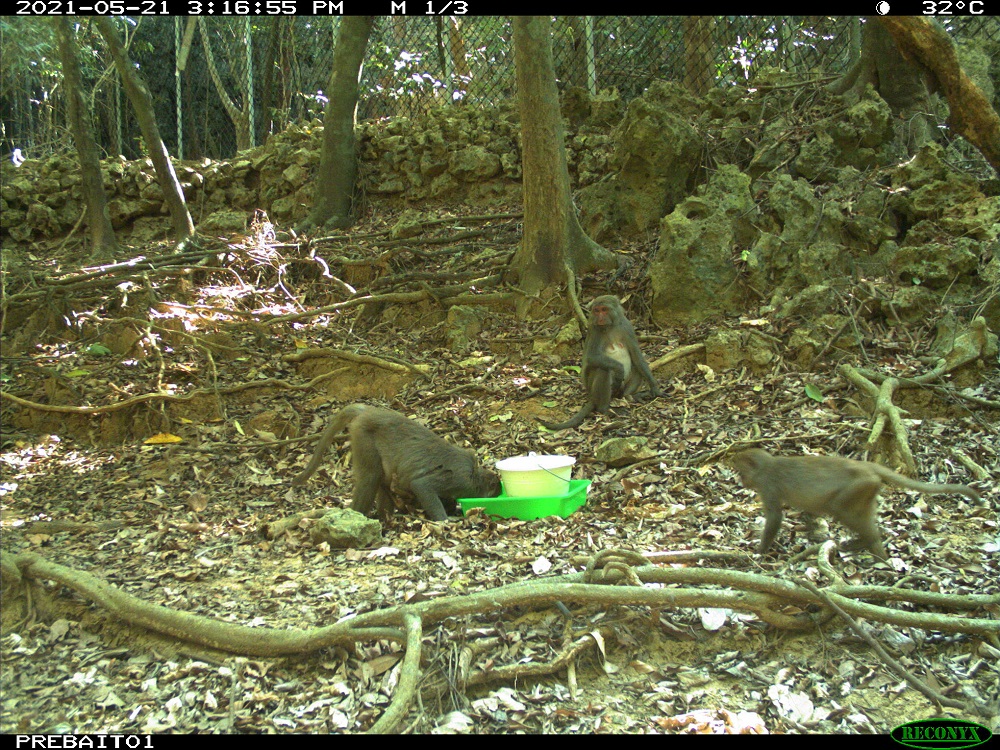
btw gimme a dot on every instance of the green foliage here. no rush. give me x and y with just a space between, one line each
31 78
29 53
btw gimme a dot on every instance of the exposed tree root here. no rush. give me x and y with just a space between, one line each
933 695
678 353
409 678
601 584
893 447
969 111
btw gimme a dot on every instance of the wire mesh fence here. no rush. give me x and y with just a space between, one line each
412 64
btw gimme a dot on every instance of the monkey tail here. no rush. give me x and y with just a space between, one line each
899 480
341 420
575 421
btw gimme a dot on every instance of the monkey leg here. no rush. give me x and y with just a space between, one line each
606 374
817 529
856 506
620 388
633 391
630 388
384 505
369 477
425 490
602 388
772 522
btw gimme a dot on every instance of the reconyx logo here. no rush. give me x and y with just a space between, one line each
934 734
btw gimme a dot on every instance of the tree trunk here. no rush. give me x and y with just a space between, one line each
461 72
240 116
102 235
699 51
334 197
552 237
142 103
970 114
901 83
266 124
576 67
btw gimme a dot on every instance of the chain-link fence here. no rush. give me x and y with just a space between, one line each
413 63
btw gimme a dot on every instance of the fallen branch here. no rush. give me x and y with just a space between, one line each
148 397
446 296
367 359
679 353
422 224
115 274
276 528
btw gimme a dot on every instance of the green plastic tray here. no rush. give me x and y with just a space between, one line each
530 508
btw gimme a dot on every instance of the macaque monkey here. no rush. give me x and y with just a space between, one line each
389 451
842 488
613 365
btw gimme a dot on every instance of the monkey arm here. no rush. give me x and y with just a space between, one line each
425 490
602 361
640 364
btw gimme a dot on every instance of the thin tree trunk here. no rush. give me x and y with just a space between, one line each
970 114
699 65
334 196
102 235
240 116
142 104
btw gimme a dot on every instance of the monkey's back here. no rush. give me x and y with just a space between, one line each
813 482
408 449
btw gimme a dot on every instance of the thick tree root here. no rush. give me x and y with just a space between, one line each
601 584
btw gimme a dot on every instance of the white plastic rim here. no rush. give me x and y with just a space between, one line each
536 476
533 462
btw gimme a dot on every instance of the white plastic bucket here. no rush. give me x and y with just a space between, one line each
536 476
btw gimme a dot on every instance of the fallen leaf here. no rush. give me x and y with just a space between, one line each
162 438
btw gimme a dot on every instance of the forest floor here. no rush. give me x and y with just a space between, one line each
180 524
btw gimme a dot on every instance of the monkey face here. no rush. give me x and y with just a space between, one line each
745 463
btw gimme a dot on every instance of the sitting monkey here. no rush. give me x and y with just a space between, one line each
613 365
